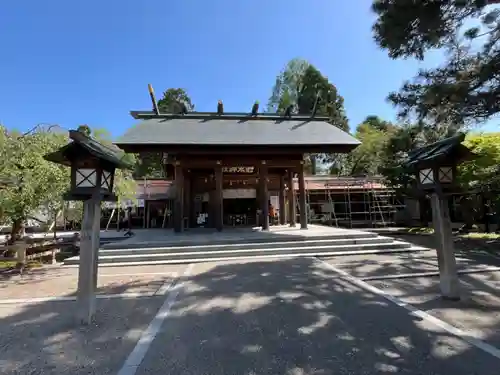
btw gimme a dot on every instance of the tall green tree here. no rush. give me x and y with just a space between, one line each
465 89
35 181
285 91
172 99
150 164
318 94
370 158
300 84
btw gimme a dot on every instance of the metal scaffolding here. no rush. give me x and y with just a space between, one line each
351 201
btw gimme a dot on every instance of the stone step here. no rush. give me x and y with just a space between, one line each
203 255
245 245
217 239
261 257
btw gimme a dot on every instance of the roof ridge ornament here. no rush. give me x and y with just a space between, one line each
220 108
255 109
156 109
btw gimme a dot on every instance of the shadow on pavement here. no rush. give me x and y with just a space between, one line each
292 316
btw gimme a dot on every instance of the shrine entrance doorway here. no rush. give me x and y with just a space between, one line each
240 207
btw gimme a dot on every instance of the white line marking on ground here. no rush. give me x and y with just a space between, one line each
141 348
428 274
166 286
171 274
72 298
490 349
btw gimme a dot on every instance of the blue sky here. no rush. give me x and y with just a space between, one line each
75 62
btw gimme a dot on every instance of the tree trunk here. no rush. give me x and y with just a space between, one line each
466 206
17 231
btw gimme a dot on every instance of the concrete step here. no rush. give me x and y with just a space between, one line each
217 239
202 254
245 246
263 257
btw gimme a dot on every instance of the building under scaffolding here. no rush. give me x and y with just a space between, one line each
351 201
348 202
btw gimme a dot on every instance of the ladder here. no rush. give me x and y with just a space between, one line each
308 201
384 207
332 215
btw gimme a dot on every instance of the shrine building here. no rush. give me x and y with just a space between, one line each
224 164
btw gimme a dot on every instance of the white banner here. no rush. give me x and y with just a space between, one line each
239 193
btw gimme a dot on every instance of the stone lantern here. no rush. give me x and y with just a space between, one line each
93 168
435 168
436 164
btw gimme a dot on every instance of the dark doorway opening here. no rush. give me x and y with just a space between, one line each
240 212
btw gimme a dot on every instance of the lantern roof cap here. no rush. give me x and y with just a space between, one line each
448 149
83 143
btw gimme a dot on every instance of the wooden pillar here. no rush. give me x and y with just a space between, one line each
187 200
292 216
211 209
264 195
87 269
218 204
302 198
448 276
282 193
179 199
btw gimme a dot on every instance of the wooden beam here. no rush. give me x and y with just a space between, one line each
197 149
209 162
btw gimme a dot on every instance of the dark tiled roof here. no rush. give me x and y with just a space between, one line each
90 145
234 129
447 148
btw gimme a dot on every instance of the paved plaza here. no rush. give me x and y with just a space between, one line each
342 315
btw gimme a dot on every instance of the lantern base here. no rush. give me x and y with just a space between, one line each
103 196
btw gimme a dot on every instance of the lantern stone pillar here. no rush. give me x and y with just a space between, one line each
448 276
87 271
435 166
92 178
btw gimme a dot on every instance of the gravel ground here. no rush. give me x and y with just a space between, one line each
44 339
296 317
288 316
380 265
466 246
478 312
60 281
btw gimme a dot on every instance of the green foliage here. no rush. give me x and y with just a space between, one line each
369 158
464 90
35 182
286 88
483 172
150 164
38 185
331 104
170 102
85 129
125 186
299 85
